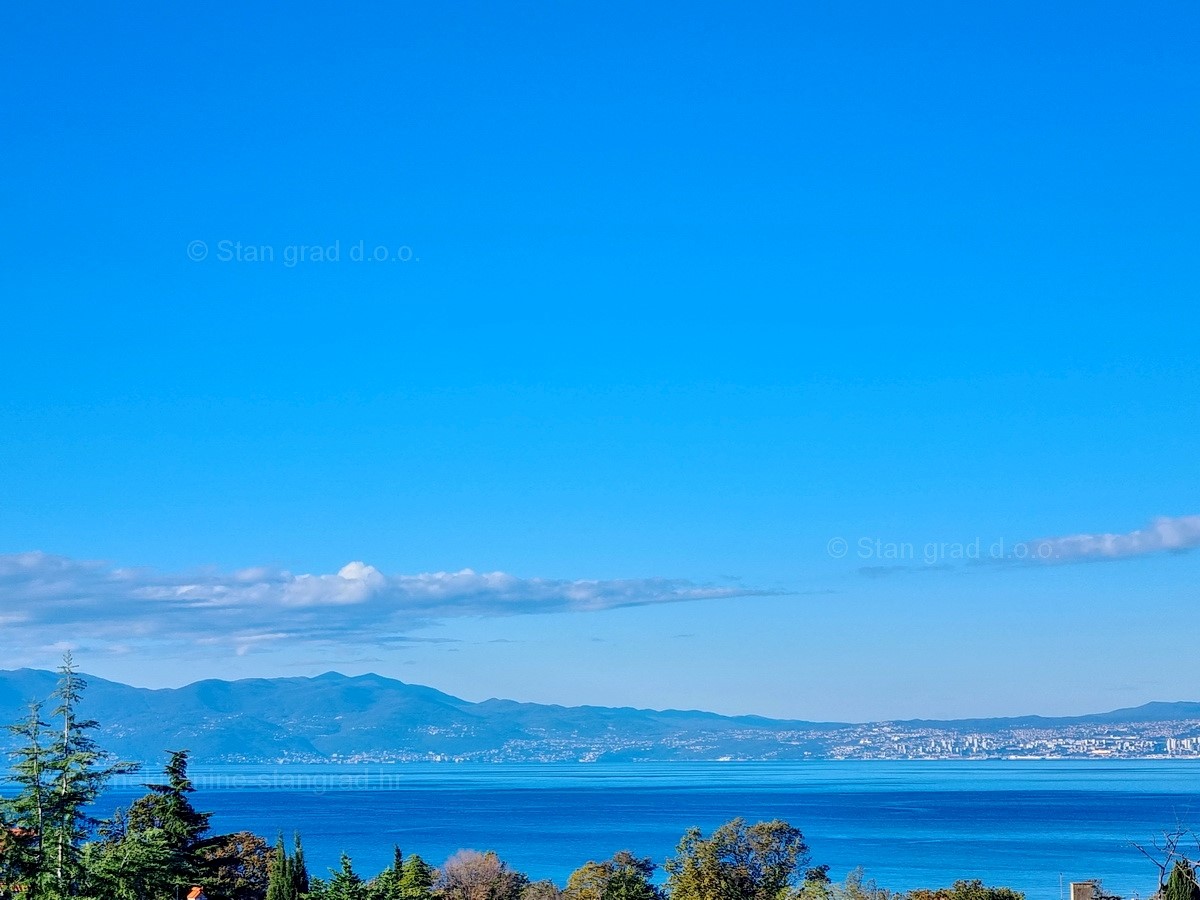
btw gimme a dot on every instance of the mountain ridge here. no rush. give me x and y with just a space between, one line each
370 717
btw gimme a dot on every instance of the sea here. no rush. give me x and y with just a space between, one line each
1034 825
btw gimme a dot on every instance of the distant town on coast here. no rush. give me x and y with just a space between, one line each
372 719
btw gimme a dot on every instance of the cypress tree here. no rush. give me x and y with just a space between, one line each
1182 883
299 869
280 886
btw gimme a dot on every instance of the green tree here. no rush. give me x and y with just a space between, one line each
628 884
280 885
387 884
345 884
417 879
287 876
858 887
141 864
587 882
169 808
299 868
623 877
816 884
59 771
541 890
737 862
1181 885
24 815
78 770
154 848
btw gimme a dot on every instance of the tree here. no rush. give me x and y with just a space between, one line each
817 884
967 890
167 813
141 864
417 879
153 849
623 877
471 875
858 887
169 807
1171 859
59 771
1182 884
280 885
22 860
541 890
738 862
237 867
628 884
287 876
78 770
587 882
345 884
386 885
299 867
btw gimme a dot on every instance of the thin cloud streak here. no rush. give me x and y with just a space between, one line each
1164 534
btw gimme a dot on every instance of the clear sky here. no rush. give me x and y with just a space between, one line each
671 300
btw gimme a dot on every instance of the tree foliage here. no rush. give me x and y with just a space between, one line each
1182 882
737 862
471 875
59 771
238 867
967 890
623 877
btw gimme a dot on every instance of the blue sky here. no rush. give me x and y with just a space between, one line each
668 300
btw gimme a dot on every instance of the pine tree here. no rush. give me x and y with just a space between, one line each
416 879
25 814
169 806
346 884
78 772
386 885
166 817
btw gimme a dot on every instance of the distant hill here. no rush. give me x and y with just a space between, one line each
335 718
1147 712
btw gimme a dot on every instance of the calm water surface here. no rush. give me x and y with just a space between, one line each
910 824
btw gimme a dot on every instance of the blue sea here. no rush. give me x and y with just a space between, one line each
1026 824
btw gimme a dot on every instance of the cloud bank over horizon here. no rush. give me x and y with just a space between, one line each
54 601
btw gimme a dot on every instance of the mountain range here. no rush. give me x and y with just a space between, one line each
338 718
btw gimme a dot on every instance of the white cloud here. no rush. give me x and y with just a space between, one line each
1164 534
46 598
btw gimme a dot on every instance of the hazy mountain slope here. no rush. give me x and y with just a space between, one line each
336 716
